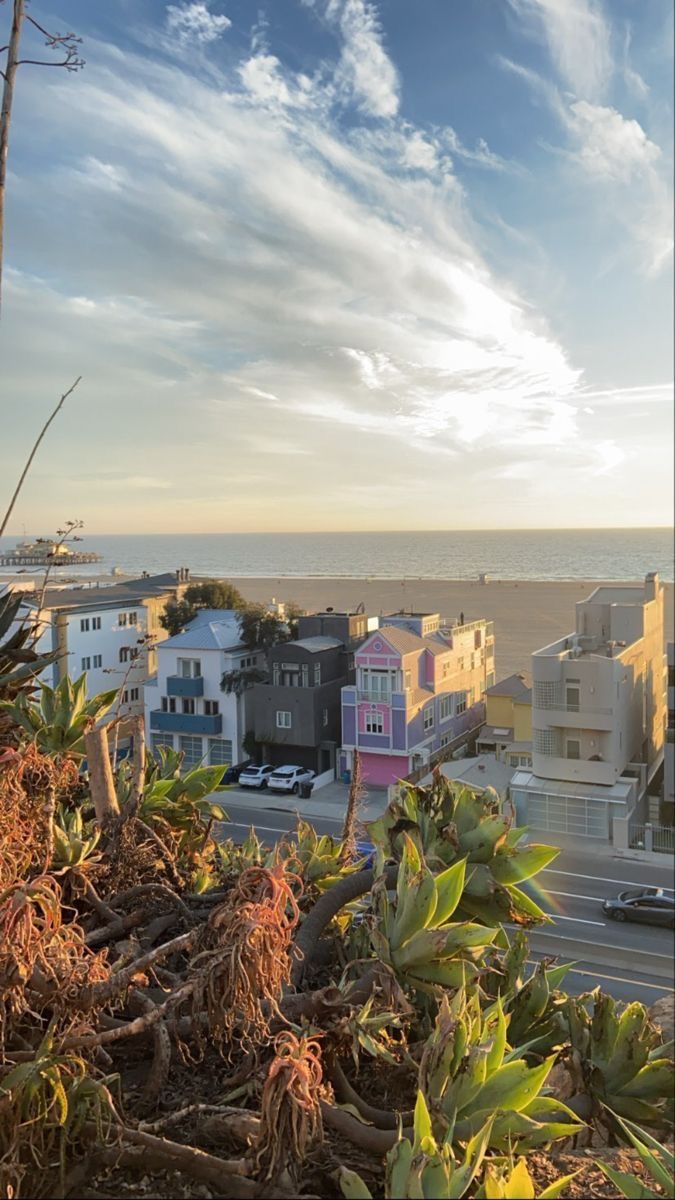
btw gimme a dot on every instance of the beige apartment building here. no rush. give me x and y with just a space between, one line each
598 714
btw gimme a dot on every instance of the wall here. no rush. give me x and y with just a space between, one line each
499 711
522 722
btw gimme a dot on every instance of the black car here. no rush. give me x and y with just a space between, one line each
650 905
231 775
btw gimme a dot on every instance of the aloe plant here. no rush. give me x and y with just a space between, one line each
469 1072
60 718
658 1160
74 844
20 664
620 1061
450 823
319 859
414 933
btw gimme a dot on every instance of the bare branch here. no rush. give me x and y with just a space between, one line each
33 452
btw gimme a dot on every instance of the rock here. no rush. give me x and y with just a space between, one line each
662 1013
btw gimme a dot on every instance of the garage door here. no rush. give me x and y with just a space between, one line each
568 814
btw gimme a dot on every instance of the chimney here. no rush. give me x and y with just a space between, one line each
652 585
178 575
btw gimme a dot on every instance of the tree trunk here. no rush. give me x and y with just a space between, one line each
6 112
101 780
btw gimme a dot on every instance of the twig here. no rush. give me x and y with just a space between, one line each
117 928
33 452
147 889
238 1116
138 777
161 1062
100 993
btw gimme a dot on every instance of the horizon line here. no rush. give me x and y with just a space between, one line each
351 532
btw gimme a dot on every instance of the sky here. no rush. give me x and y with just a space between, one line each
342 265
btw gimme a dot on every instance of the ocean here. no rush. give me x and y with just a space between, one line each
595 554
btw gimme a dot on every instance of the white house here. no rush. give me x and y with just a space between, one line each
598 715
107 632
185 707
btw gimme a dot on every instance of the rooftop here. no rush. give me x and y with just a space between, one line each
406 642
518 686
211 629
316 644
132 590
478 773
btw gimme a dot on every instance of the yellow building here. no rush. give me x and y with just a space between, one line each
507 732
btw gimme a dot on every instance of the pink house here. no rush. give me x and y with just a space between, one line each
419 687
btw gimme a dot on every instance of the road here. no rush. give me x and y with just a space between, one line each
630 961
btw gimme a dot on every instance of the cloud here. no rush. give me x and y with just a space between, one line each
271 307
578 38
195 23
611 147
365 73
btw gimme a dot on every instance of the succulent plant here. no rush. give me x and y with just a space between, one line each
414 933
58 721
659 1161
318 858
20 664
619 1060
469 1072
73 844
450 823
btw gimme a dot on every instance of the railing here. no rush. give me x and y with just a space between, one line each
561 706
660 838
380 697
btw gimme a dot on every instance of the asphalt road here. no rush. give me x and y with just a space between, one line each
630 961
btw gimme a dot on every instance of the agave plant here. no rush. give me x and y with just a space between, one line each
20 664
58 721
414 933
423 1167
619 1061
659 1161
318 858
537 1010
470 1073
74 846
449 823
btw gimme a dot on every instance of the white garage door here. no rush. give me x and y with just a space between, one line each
568 814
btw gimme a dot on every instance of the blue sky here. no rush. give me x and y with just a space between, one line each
327 264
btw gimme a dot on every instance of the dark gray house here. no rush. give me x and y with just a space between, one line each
297 714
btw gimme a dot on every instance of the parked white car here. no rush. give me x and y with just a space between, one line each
255 777
288 779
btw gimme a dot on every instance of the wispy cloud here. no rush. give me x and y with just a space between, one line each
194 23
365 73
578 37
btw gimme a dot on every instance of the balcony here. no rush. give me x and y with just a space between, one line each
573 716
184 685
165 722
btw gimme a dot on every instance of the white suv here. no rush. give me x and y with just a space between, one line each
288 779
255 777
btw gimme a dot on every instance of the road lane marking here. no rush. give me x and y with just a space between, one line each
579 920
557 937
599 879
534 962
267 828
574 896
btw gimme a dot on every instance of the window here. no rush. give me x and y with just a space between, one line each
121 618
188 706
572 696
429 717
96 622
317 673
460 703
477 639
547 742
446 708
283 720
211 708
86 664
162 739
84 625
249 661
325 716
220 752
192 749
168 704
545 695
133 618
573 748
305 674
379 684
98 660
124 654
189 668
125 697
446 668
446 738
287 674
408 680
133 694
374 722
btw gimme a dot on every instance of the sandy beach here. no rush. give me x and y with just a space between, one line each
527 614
